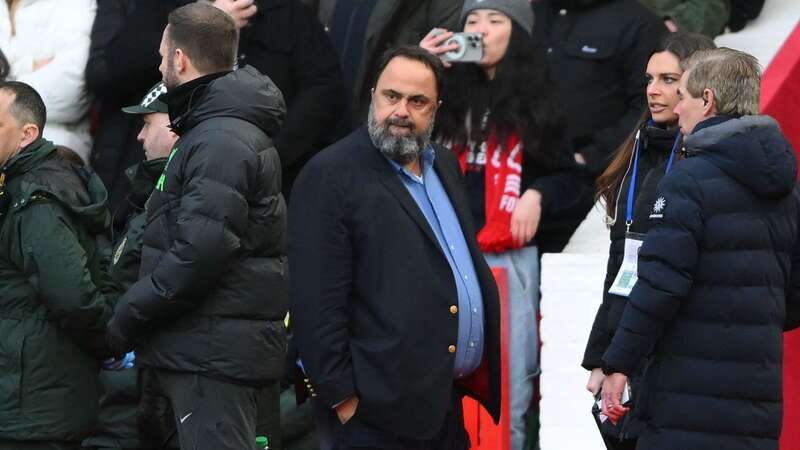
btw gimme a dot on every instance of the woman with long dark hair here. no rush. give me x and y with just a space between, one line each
628 189
502 119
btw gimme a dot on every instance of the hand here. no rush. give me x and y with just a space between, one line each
580 159
120 364
40 63
241 10
612 397
526 216
432 42
347 409
116 342
671 26
595 381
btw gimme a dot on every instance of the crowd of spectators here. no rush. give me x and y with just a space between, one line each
561 86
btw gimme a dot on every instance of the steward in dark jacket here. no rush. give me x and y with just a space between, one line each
718 272
598 51
213 289
655 147
52 311
116 425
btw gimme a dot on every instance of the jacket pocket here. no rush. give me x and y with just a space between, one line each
11 350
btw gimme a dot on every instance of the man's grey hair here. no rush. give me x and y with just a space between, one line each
733 76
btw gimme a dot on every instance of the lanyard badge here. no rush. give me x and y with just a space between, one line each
628 273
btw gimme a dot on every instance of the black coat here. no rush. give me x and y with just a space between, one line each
598 54
213 289
655 147
122 67
283 41
718 272
372 292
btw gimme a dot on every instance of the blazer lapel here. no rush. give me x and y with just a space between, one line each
391 180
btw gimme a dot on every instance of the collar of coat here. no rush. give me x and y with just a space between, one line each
713 130
27 158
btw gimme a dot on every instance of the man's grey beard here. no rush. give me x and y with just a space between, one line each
400 149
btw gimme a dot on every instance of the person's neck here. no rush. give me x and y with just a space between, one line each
414 167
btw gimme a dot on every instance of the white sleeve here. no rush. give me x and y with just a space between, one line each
62 83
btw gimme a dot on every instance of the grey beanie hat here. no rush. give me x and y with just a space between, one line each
518 10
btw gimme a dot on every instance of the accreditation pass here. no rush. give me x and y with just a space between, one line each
628 272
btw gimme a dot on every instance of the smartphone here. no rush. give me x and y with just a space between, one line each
470 47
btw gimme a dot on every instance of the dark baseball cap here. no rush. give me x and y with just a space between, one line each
153 102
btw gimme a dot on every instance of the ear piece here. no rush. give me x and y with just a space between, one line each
705 101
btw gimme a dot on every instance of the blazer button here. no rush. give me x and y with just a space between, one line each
451 349
453 309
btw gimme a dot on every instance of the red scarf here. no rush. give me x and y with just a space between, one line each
503 173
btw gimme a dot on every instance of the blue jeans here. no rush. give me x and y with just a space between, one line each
522 266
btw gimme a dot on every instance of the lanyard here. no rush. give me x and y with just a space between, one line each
635 170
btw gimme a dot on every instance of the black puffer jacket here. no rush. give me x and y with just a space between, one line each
213 289
598 51
655 147
718 272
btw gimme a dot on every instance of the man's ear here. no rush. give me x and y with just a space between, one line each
30 133
181 61
709 102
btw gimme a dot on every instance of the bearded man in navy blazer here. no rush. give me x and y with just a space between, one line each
395 312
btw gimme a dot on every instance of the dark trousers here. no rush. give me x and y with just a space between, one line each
37 445
357 434
209 414
269 415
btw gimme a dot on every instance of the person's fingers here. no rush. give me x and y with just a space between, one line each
249 12
530 230
514 228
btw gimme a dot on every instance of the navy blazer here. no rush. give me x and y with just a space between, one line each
371 291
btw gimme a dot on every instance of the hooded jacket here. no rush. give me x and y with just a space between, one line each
52 313
212 292
718 272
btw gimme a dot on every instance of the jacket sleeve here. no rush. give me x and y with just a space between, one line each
61 82
632 56
666 265
320 98
793 291
321 254
444 14
700 16
600 336
213 214
567 193
58 264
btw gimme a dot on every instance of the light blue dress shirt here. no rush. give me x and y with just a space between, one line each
432 199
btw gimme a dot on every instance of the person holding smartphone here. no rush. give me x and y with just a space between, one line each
627 188
501 118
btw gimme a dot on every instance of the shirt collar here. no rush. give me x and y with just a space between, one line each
428 157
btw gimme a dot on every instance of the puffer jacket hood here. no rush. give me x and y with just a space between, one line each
751 149
244 94
83 194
